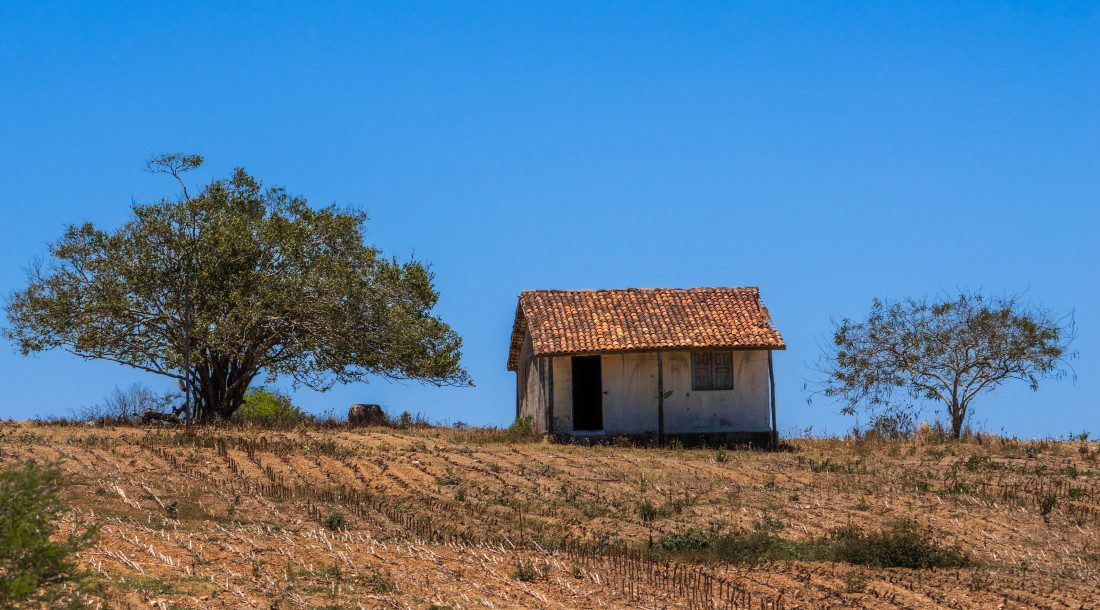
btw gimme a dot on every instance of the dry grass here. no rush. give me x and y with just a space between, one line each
432 517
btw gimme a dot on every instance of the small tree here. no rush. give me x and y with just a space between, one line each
267 407
949 350
36 571
237 280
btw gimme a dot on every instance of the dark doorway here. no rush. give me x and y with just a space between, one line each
587 393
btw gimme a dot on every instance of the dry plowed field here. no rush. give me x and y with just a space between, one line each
320 517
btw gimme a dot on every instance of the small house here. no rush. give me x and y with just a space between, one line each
651 364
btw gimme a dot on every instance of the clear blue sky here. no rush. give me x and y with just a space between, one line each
826 153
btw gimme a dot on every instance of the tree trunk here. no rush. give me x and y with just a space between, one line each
216 402
957 412
222 383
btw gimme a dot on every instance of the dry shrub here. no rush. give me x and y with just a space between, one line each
931 434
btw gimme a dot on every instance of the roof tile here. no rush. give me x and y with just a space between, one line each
563 322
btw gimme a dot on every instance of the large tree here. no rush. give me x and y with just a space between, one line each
236 281
948 350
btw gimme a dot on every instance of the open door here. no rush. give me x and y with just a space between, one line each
587 393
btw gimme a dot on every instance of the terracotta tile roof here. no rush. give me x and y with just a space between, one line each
562 322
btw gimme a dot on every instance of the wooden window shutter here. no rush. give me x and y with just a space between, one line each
702 370
712 370
723 370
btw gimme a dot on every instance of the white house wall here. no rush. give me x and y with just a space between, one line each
630 395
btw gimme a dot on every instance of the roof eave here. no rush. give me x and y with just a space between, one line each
519 329
670 348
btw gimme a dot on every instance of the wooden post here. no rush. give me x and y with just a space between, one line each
661 400
771 381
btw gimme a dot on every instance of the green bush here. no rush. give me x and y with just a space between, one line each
35 570
520 430
759 545
1047 502
902 544
692 540
526 571
264 407
335 522
648 512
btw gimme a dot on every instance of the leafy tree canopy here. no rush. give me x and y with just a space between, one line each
236 281
948 350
